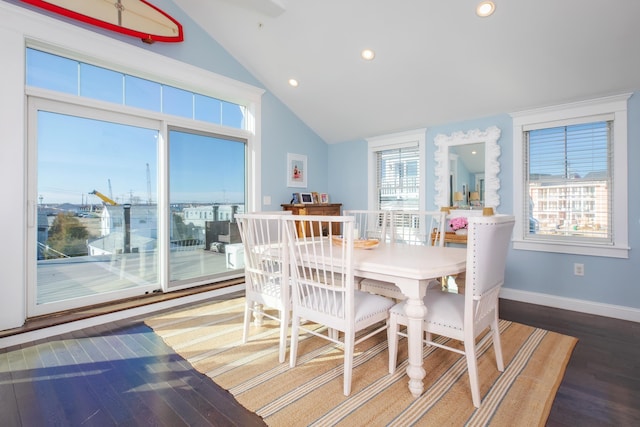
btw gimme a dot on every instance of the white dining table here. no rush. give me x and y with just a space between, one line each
411 268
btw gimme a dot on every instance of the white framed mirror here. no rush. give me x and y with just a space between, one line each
455 152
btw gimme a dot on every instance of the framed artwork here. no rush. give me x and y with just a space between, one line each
324 198
316 197
306 198
296 170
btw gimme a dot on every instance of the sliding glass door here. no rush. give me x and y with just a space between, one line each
97 214
133 183
206 190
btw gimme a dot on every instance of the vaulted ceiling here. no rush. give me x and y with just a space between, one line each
436 62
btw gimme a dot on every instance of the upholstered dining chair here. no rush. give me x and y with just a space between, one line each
463 317
323 289
266 275
414 228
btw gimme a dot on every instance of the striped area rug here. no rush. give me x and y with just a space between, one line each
209 336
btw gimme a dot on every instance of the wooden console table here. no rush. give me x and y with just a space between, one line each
452 237
314 209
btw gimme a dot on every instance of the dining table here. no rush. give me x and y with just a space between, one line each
411 268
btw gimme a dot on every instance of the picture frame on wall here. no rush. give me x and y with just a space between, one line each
296 170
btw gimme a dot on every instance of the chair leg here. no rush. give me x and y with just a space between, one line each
258 317
392 339
497 344
248 305
293 350
333 333
472 367
284 326
349 340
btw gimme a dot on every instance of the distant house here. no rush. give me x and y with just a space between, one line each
198 215
143 230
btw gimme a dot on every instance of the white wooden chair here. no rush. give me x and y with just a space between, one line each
370 224
323 288
414 228
266 274
464 317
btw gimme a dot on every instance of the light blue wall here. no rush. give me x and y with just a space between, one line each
348 177
606 280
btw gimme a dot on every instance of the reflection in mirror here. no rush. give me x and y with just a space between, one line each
467 180
466 175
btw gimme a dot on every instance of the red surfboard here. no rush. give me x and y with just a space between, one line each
135 18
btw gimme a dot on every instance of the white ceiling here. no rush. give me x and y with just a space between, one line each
436 61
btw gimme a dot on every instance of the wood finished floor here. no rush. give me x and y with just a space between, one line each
124 374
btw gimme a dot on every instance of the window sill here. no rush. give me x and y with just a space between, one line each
592 250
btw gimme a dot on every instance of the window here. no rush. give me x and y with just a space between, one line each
571 163
394 168
48 71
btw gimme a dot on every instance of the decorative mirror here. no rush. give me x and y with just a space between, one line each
459 180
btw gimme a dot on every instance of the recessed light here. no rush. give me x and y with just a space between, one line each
485 8
368 54
293 82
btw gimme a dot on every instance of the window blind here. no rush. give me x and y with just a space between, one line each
569 180
398 178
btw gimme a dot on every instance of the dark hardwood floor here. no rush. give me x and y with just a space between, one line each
124 374
601 386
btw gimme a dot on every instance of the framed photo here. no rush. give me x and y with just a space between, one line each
306 198
316 197
295 198
296 170
324 198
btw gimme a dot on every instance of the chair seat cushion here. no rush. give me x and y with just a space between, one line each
443 308
368 305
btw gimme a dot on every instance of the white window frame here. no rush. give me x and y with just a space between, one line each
557 116
394 141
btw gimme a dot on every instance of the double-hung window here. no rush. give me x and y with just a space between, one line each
570 170
394 171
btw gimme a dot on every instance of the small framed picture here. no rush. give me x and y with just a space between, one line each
296 170
316 197
306 198
324 198
295 198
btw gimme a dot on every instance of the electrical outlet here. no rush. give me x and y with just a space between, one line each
578 269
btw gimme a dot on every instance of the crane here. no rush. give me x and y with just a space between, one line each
104 198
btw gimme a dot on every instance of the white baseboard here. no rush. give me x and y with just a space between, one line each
30 336
583 306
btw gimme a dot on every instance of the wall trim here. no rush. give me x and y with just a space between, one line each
572 304
31 336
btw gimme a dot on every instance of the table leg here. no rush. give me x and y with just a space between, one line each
415 311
